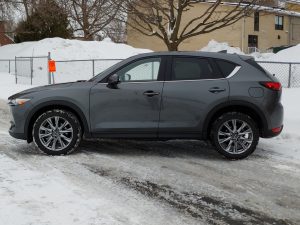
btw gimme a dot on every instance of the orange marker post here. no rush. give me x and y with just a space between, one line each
52 68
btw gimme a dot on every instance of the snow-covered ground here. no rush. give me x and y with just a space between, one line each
136 182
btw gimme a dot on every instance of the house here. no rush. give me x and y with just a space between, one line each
4 38
266 27
293 5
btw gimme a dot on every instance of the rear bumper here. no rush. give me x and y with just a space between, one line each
273 132
274 116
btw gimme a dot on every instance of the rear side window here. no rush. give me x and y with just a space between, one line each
189 68
225 66
255 64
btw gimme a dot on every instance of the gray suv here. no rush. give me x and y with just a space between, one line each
226 98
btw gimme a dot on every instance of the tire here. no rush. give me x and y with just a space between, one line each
235 135
57 136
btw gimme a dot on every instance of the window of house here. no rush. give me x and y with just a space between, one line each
278 22
256 21
193 69
253 41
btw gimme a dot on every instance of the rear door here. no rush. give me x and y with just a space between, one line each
193 87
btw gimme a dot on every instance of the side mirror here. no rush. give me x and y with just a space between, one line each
125 77
113 81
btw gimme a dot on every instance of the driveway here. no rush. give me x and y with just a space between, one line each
146 182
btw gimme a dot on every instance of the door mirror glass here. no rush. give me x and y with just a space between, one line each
125 77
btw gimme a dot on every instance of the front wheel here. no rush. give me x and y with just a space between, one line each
57 132
235 135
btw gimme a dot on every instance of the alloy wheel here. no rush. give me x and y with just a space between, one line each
55 133
235 136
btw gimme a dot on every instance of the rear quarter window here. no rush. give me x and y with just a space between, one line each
225 67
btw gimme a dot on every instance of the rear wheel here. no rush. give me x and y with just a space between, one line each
57 132
235 135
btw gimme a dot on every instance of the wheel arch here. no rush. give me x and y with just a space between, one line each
235 106
57 104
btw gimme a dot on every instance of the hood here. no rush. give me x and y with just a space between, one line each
41 88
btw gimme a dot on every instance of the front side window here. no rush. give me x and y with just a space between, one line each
193 69
142 70
278 22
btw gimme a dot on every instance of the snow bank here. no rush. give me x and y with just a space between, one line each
214 46
291 54
64 49
8 86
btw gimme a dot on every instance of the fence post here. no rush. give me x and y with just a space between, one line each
93 67
290 75
31 70
16 69
49 74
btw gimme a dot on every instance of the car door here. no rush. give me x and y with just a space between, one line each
194 86
131 108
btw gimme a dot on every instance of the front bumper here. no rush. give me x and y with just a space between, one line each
17 135
18 120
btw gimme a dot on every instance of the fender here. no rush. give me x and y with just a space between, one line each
68 104
237 103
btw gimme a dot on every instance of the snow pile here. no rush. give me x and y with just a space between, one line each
214 46
64 49
291 54
8 86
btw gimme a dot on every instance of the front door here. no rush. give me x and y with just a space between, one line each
193 88
132 107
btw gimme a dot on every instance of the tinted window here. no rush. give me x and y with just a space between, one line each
255 64
142 70
192 69
225 67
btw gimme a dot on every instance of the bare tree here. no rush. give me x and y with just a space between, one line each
163 18
89 17
116 31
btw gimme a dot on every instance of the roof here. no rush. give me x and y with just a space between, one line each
226 56
269 9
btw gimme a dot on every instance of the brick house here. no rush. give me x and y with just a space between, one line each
265 28
4 38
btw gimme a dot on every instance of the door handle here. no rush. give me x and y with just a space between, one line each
150 93
216 90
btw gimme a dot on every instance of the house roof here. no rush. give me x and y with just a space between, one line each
269 9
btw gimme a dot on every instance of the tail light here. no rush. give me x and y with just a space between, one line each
276 86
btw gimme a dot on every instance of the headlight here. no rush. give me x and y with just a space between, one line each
18 101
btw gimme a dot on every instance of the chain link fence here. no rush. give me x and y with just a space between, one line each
288 73
34 70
